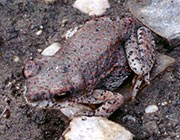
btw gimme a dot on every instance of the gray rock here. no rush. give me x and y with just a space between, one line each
160 16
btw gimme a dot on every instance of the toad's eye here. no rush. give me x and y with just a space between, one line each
61 97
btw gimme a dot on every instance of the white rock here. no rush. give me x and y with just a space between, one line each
41 27
95 128
128 117
49 1
39 32
16 59
161 16
151 109
164 103
39 50
92 7
51 50
64 21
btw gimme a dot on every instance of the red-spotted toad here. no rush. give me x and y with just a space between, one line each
93 56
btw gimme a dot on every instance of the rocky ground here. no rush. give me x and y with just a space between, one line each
19 23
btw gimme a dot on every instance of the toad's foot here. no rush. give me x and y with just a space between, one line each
140 54
108 101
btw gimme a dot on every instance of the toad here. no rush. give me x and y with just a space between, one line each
103 52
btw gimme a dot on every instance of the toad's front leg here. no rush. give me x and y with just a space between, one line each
140 54
108 102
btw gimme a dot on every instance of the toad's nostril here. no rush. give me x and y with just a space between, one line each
31 69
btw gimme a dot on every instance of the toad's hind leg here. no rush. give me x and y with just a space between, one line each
108 101
140 54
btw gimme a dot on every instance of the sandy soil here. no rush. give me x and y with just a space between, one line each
19 22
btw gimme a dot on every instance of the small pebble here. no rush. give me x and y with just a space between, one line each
92 7
128 117
151 109
16 59
39 32
5 114
169 101
49 1
17 87
41 27
64 22
39 50
164 103
51 50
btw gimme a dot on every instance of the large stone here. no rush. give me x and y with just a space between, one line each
161 16
95 128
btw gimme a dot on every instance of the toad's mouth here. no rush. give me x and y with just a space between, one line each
60 100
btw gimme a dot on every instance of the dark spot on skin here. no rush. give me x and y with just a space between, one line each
89 102
84 71
147 46
114 101
140 79
140 43
137 59
140 50
109 102
140 38
91 77
130 53
103 108
140 33
52 77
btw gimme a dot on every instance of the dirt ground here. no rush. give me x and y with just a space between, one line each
19 22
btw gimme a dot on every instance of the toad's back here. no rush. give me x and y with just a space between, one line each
96 50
